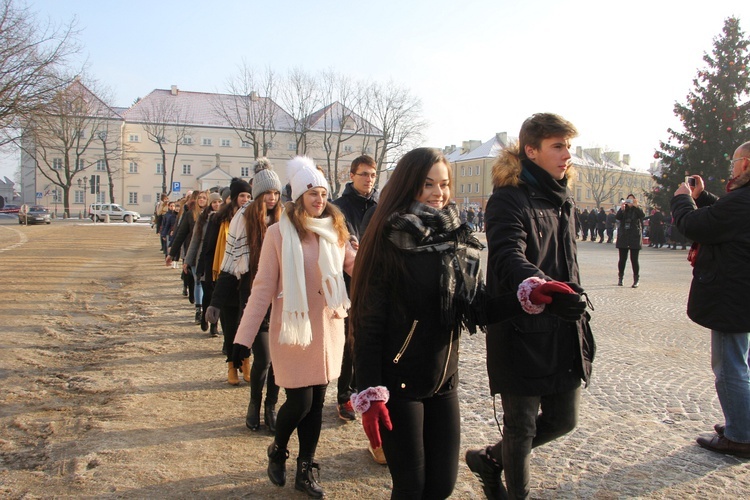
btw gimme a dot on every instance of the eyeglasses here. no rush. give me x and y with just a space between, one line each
738 159
365 174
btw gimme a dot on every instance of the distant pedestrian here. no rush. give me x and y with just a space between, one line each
470 216
584 218
593 220
601 223
629 238
610 224
718 296
480 219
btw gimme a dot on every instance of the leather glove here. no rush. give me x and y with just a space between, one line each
212 314
239 352
543 293
371 419
569 306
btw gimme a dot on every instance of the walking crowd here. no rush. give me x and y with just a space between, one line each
374 289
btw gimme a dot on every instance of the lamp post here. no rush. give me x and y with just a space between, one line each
83 184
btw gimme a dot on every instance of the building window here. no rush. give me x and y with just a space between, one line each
578 193
269 145
159 168
78 196
462 188
244 171
133 167
101 165
225 143
206 141
80 164
132 198
468 188
134 138
57 164
100 197
476 187
463 171
186 169
187 140
476 170
245 144
347 149
291 146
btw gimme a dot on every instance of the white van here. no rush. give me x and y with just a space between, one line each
115 212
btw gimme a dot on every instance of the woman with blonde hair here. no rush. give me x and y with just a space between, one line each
300 274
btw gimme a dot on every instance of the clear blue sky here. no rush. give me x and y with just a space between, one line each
614 69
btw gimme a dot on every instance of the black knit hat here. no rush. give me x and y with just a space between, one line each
238 186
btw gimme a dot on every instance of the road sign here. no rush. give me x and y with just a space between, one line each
176 187
39 194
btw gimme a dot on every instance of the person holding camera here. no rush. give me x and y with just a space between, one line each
629 237
720 229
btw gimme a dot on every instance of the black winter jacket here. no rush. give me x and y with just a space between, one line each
353 205
630 230
721 277
401 343
182 235
529 234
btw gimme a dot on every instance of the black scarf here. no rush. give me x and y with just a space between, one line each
536 176
425 229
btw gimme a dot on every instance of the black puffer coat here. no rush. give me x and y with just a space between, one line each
531 234
721 277
630 231
353 205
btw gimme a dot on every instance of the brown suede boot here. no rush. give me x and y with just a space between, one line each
246 370
232 374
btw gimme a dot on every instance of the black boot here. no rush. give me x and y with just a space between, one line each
269 417
204 322
277 464
198 315
214 330
636 279
252 419
305 481
619 280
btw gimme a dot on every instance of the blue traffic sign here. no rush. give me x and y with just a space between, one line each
39 194
176 187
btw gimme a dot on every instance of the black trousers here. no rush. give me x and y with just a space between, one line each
633 260
346 383
261 372
422 449
302 410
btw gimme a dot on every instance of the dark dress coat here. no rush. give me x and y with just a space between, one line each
630 231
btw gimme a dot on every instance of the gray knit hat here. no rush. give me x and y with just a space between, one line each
265 178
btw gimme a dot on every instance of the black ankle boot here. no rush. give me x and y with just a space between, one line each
214 332
636 280
252 419
277 464
305 480
619 280
198 315
269 417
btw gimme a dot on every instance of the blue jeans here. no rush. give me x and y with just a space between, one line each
730 360
198 290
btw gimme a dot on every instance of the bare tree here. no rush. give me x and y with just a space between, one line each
397 114
300 96
61 137
252 116
604 174
113 151
33 60
340 122
165 124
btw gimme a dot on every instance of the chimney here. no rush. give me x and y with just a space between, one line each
502 138
626 159
579 151
254 96
174 90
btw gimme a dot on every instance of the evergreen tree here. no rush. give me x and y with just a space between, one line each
715 118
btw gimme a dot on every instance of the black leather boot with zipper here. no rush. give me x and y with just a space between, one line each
277 464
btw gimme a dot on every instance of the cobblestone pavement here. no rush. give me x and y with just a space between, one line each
650 396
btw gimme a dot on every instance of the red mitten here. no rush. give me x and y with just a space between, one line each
371 420
543 293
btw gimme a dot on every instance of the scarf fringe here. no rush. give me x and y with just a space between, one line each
295 329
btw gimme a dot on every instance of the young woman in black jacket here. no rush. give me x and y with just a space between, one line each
414 285
629 238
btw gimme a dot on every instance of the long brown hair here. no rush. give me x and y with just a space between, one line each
196 210
297 214
255 228
377 257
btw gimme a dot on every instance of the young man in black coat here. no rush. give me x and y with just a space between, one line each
720 228
359 196
539 344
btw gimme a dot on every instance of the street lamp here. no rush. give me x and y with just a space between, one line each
84 184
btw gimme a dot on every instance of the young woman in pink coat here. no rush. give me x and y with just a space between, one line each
300 274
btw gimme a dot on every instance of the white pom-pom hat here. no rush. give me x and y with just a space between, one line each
303 176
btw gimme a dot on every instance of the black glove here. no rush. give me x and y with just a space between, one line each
239 352
569 306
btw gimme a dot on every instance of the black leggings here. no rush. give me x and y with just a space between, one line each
633 260
261 371
302 410
422 449
230 321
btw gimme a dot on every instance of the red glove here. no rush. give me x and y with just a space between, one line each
371 420
543 293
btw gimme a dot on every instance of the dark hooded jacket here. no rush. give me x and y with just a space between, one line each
721 276
353 205
531 232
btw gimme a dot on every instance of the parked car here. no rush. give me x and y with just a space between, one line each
9 209
34 215
97 211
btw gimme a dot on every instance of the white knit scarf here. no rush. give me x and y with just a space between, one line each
295 321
